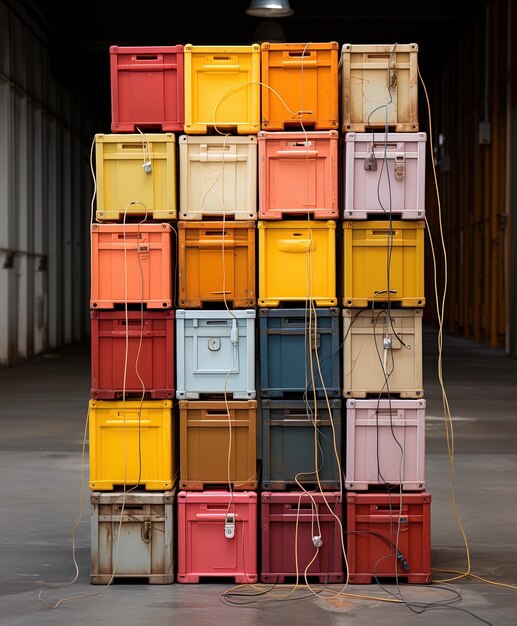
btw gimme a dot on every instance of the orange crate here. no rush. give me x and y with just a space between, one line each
216 260
131 263
306 77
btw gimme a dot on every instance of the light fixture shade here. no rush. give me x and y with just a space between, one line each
269 8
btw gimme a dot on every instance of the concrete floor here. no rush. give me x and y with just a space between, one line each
41 428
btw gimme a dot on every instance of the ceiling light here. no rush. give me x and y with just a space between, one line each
269 8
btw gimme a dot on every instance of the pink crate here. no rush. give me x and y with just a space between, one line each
298 174
204 550
147 88
365 183
374 430
280 512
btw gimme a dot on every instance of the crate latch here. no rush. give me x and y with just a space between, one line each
229 526
400 166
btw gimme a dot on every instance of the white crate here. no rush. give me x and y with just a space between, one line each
215 352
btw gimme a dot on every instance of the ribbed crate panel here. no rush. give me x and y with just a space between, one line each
297 438
292 341
298 174
306 78
131 443
379 87
288 529
367 370
222 89
131 264
148 339
384 175
215 354
216 264
218 444
132 536
385 443
136 177
204 550
147 88
217 177
383 262
297 262
380 525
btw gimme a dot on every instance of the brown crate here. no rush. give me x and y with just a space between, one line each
204 444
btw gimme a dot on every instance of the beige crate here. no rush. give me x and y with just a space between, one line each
365 362
217 177
366 91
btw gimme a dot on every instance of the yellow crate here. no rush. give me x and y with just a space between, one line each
222 89
136 168
297 261
132 443
369 250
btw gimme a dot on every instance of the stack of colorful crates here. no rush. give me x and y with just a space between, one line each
299 329
383 192
133 433
215 350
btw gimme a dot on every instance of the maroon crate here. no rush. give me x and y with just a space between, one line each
147 88
279 514
379 527
155 361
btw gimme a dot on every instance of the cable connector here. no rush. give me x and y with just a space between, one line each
317 541
229 526
370 162
148 168
402 560
234 333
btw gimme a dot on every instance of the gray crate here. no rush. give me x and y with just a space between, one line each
133 533
288 444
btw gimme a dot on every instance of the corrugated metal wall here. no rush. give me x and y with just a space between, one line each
471 111
45 193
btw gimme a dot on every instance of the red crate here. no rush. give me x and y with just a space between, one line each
147 88
280 535
217 536
376 519
150 353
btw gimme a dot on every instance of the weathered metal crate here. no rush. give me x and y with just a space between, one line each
132 536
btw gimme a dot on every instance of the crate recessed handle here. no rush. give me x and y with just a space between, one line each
305 505
131 146
294 320
130 507
129 236
216 323
383 233
388 507
296 53
221 58
378 55
130 322
216 233
216 412
381 144
146 57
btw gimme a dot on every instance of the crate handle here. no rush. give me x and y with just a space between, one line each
221 68
216 322
297 245
211 517
297 154
130 507
378 55
131 322
392 508
305 505
300 53
299 63
381 144
137 146
218 412
383 233
294 320
216 233
130 236
146 57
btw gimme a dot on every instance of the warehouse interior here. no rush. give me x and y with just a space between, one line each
54 97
